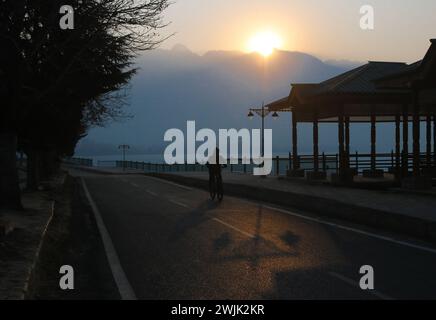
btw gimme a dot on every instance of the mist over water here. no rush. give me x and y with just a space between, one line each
216 89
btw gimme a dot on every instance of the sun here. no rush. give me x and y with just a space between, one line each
264 43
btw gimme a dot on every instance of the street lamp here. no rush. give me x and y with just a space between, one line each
275 116
124 147
263 113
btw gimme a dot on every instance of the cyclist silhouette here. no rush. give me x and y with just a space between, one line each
215 178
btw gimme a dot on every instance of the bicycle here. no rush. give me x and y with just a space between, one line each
216 188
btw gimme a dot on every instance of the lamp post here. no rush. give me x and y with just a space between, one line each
124 147
263 113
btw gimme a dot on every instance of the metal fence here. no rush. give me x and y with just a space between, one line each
327 162
80 161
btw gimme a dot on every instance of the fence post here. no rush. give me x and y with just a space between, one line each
392 158
277 165
336 163
357 161
290 161
324 164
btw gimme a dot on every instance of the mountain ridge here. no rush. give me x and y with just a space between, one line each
215 89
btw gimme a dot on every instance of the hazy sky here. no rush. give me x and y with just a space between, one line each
326 28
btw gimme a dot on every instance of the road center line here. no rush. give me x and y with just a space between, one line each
171 183
355 284
151 192
249 235
234 228
123 284
180 203
148 191
366 233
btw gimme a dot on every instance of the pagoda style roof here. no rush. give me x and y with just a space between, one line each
359 81
377 87
421 74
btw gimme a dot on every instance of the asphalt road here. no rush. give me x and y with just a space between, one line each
173 242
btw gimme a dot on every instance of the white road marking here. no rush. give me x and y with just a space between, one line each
120 277
171 183
356 284
148 191
234 228
366 233
218 220
318 220
179 203
151 192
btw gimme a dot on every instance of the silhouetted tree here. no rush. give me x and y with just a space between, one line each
54 83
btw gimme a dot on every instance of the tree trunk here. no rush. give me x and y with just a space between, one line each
48 164
10 195
33 168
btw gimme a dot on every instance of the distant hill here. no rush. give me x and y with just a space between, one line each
215 89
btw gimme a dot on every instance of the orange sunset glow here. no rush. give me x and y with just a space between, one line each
264 43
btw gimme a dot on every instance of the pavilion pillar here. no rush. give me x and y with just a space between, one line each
341 140
405 164
428 140
295 162
373 141
416 135
315 143
347 142
397 142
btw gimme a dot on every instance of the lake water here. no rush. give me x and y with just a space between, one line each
152 158
110 161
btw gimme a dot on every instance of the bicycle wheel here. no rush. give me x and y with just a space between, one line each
220 190
212 189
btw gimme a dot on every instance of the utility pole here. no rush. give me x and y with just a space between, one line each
263 129
124 147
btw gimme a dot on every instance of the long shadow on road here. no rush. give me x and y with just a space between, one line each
253 250
194 218
258 249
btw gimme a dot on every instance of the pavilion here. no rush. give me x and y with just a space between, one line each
373 93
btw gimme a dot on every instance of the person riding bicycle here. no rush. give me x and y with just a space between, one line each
215 165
